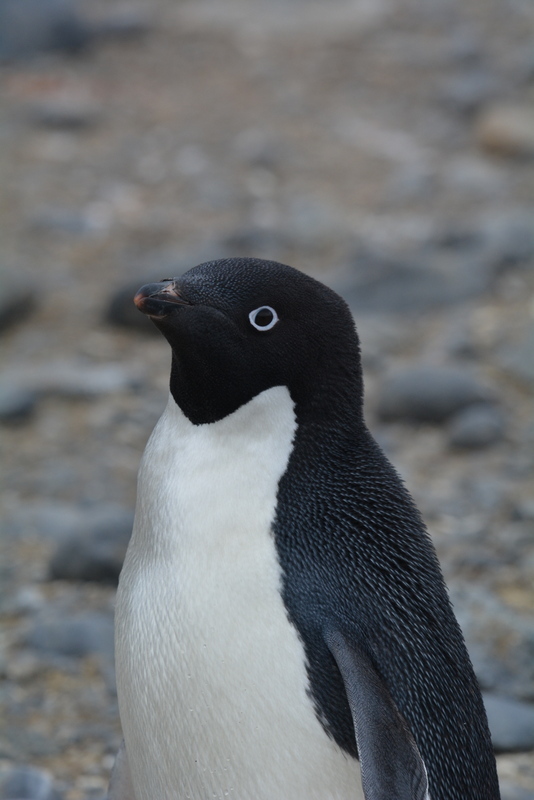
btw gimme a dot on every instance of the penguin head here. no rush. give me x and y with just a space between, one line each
240 326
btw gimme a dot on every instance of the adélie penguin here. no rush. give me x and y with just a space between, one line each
282 627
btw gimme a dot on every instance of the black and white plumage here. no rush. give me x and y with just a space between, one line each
281 610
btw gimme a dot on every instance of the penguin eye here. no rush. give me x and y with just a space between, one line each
263 318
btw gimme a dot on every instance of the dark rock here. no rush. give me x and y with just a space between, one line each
525 510
95 551
80 635
430 279
429 394
467 92
17 297
511 724
17 404
518 360
65 113
476 426
74 379
507 130
28 27
126 23
27 783
500 641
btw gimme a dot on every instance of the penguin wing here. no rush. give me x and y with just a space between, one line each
390 763
120 785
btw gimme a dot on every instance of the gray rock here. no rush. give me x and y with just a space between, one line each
80 635
65 113
125 23
466 93
477 426
507 130
508 237
17 404
518 359
74 379
511 791
511 723
44 520
35 26
94 552
429 394
27 783
17 297
500 641
430 279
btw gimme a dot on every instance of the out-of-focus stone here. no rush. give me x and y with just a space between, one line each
429 394
511 723
17 404
17 297
506 130
83 634
35 26
27 783
65 113
477 426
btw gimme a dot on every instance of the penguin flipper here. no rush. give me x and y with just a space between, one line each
390 762
120 785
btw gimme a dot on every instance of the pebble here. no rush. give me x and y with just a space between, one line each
83 634
27 783
17 297
476 426
65 113
468 92
429 394
35 26
94 552
17 404
518 359
506 130
511 724
422 282
74 378
499 639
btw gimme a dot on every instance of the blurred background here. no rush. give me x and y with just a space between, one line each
384 146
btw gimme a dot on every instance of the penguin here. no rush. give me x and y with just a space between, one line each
283 630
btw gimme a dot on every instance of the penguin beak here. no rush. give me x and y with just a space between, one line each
157 300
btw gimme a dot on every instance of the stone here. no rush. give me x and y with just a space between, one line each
27 783
34 26
65 113
74 378
17 297
429 394
476 426
499 639
467 92
506 130
17 404
518 359
82 634
511 723
422 282
95 552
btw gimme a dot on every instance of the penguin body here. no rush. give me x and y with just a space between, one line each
283 630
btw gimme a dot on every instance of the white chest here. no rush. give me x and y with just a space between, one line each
210 673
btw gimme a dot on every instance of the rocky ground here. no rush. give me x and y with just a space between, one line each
387 148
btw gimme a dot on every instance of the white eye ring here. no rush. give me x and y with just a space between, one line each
253 314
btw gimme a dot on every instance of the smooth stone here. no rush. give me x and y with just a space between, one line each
35 26
511 724
17 297
75 379
518 359
429 394
96 552
65 113
499 639
506 130
467 92
27 783
80 635
476 426
17 404
430 279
